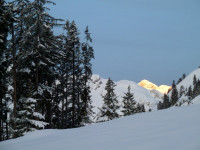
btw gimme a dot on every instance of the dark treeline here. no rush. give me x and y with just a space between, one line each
43 77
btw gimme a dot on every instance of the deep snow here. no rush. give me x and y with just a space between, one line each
176 128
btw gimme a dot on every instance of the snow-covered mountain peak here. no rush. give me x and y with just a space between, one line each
151 86
148 85
141 95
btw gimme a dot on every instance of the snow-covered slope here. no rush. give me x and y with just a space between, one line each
141 95
151 86
186 83
171 129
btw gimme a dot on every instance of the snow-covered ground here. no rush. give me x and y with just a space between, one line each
176 128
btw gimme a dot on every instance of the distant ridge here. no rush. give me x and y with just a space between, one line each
151 86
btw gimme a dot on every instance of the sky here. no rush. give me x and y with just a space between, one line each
157 40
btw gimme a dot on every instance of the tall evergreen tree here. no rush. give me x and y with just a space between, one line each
166 103
189 92
182 91
196 89
173 84
5 22
174 96
129 104
73 54
37 60
110 103
87 56
194 80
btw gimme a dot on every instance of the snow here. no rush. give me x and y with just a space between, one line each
151 86
196 100
188 81
141 95
25 70
39 124
36 114
176 128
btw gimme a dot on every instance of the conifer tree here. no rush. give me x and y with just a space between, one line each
73 54
189 92
4 29
196 89
174 96
37 58
129 104
166 103
179 80
194 80
159 105
182 90
173 84
183 77
110 103
87 56
140 108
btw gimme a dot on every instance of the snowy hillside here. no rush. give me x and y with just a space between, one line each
172 129
186 83
141 95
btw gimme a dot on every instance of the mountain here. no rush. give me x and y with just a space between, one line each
171 129
145 92
185 84
151 86
188 81
141 95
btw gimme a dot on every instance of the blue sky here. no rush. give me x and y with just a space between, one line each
157 40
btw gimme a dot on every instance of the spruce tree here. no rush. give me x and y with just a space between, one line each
129 104
179 80
37 61
173 84
182 90
4 29
196 89
166 103
110 103
87 56
159 105
73 53
140 108
174 96
189 93
183 77
194 80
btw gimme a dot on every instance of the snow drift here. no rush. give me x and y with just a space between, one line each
176 128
